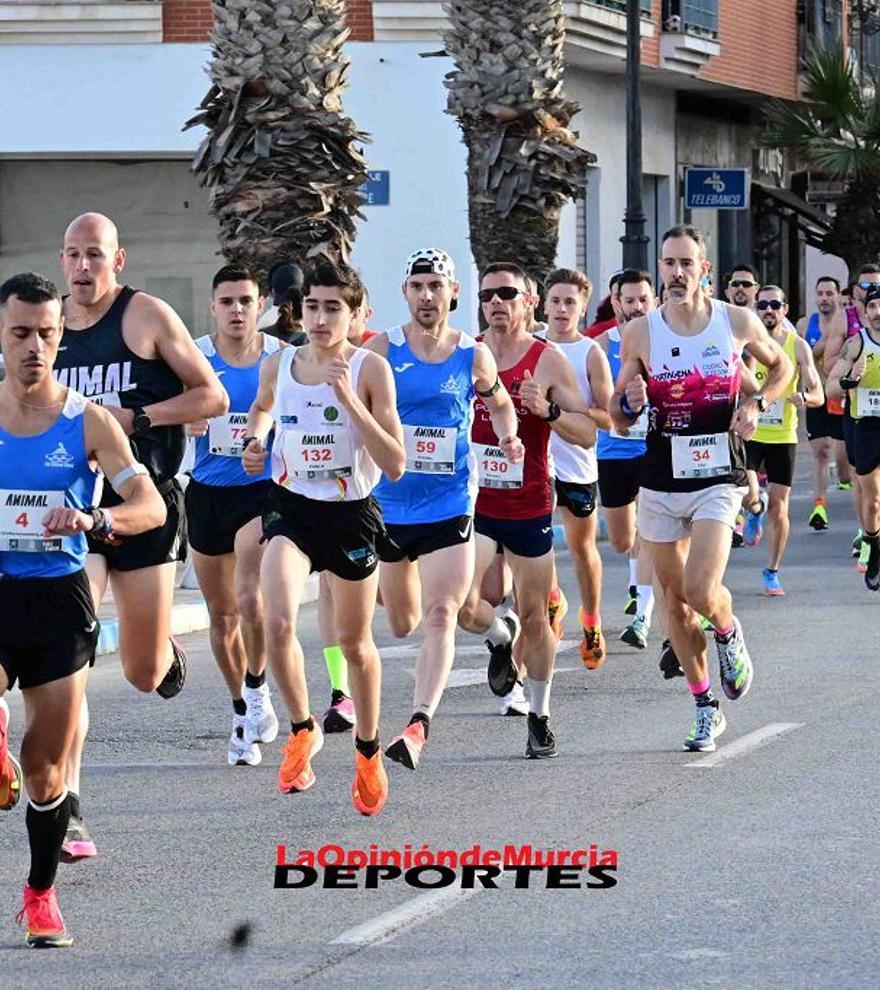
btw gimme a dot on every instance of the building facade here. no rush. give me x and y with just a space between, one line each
95 94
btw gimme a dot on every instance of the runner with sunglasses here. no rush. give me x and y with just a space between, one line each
742 286
774 444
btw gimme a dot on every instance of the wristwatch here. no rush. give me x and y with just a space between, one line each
553 413
141 422
760 402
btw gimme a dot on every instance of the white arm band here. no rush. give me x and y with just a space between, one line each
130 472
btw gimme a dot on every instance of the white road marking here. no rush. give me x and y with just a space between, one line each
747 744
468 676
401 919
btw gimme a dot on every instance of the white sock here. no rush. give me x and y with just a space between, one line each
498 633
645 602
539 697
633 571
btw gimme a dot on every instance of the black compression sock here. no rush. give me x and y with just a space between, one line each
46 825
73 800
254 680
367 747
240 706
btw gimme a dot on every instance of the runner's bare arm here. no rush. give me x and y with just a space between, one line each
832 344
801 326
844 367
143 508
260 418
500 405
203 395
752 334
554 380
811 392
373 409
601 385
631 381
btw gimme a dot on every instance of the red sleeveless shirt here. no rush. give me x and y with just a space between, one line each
532 500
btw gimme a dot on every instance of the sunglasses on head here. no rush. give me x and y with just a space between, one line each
741 283
773 304
504 292
867 286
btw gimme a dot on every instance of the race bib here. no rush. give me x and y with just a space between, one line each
869 401
430 449
637 431
226 433
495 470
772 415
705 456
315 455
21 515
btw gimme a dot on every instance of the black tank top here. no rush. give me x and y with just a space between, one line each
98 363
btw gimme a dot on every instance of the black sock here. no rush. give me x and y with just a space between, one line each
873 538
422 717
240 706
46 825
772 570
336 696
254 680
705 698
296 726
367 747
73 799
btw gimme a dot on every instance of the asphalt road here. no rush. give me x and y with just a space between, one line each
753 868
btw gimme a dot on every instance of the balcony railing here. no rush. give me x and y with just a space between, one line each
691 16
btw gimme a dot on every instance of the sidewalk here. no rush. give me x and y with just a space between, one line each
190 614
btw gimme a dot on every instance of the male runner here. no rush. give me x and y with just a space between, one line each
131 353
742 286
824 423
53 442
513 511
684 359
620 462
857 372
774 443
337 429
867 279
428 567
575 469
224 509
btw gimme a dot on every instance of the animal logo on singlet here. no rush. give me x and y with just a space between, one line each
450 386
58 458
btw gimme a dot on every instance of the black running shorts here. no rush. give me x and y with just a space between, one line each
778 460
420 539
214 514
577 497
866 446
340 537
522 537
164 545
821 423
849 435
48 629
619 481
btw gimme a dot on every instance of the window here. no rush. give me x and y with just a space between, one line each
697 16
820 23
621 5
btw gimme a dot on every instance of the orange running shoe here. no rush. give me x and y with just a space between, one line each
406 749
592 645
10 771
557 609
369 790
295 773
45 926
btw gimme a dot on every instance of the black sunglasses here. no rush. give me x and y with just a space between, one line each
504 292
773 304
867 286
741 283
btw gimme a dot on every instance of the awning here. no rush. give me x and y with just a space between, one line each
813 223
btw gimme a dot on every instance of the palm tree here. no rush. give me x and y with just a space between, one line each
836 131
281 161
507 92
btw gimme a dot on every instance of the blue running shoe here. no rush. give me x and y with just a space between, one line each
754 528
735 663
772 587
709 723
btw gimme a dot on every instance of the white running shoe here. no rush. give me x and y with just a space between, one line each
261 723
515 702
242 753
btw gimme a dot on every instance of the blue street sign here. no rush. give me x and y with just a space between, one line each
717 188
377 189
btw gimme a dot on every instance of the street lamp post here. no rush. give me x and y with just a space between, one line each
635 241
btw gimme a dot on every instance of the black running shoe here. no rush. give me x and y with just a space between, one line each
502 673
173 681
872 574
542 742
669 662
